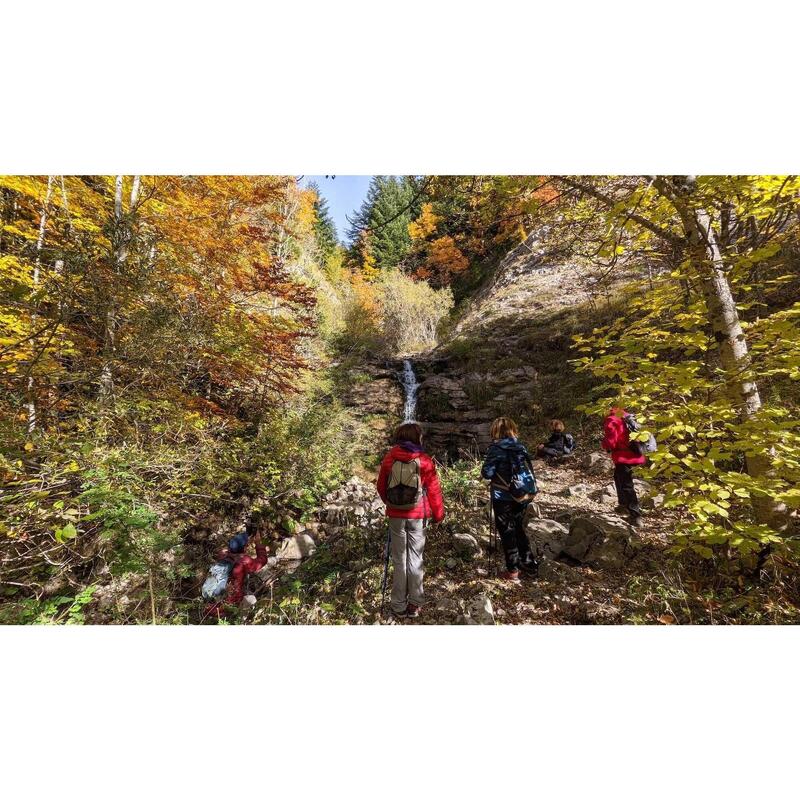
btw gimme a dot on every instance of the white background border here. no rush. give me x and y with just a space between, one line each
398 88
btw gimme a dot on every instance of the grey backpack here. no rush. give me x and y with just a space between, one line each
216 582
639 448
404 486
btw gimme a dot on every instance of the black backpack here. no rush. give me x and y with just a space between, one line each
569 443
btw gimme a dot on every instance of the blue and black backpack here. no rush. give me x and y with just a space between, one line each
521 483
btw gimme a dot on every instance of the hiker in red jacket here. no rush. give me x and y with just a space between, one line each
616 439
409 486
243 566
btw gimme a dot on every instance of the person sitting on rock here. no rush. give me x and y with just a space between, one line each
559 444
243 565
505 457
409 486
616 440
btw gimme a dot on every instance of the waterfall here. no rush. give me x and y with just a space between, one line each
410 385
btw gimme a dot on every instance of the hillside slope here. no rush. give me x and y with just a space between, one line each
509 353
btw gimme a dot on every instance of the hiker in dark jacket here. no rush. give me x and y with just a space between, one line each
616 439
243 565
559 444
407 525
508 513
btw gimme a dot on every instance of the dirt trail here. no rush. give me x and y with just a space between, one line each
341 581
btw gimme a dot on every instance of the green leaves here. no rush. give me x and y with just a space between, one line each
69 531
660 360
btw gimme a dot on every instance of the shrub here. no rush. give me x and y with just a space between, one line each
411 312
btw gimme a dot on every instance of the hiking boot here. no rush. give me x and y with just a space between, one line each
636 520
412 610
399 614
511 575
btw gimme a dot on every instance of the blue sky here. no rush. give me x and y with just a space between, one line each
344 194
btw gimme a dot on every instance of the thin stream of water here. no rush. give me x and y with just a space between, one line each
410 386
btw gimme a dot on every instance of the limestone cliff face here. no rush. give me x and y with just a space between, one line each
508 354
374 394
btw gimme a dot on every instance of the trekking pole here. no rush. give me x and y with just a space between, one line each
386 567
492 529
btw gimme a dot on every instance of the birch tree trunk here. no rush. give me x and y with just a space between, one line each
31 404
706 255
120 247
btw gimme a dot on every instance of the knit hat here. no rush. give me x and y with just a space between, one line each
238 543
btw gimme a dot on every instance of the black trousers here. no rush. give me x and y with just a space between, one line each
548 452
508 516
626 492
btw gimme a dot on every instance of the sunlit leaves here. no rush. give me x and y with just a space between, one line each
659 358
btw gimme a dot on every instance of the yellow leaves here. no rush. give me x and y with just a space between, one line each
369 269
306 213
29 233
425 225
28 447
16 270
22 184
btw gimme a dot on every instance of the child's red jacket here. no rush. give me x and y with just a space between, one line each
617 439
244 566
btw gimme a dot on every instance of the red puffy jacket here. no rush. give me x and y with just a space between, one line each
617 439
243 567
431 504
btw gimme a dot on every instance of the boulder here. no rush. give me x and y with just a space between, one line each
534 511
556 571
480 611
466 545
447 606
547 537
334 514
596 463
266 574
296 547
608 494
578 490
600 540
562 514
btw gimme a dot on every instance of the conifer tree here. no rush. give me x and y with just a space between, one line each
324 228
386 213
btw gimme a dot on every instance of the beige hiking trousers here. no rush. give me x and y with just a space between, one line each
408 544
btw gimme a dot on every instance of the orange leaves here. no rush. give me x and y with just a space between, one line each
369 269
365 295
444 255
443 260
205 296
